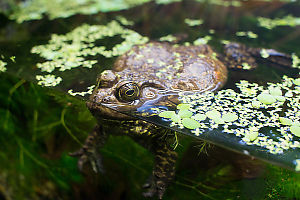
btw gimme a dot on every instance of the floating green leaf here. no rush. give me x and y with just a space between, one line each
266 98
229 117
295 130
251 136
2 66
190 123
193 22
176 118
185 113
183 106
297 81
167 114
275 91
285 121
213 114
218 120
199 117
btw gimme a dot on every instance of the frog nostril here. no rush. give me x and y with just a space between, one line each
105 99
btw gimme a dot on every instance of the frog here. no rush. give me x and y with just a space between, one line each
137 78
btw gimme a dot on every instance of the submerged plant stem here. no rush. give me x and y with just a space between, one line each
62 120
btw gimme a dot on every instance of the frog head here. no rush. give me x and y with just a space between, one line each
118 92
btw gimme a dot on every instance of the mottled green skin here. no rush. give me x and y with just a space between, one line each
153 67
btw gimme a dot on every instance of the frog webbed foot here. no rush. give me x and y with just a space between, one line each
153 188
92 157
89 151
163 172
238 56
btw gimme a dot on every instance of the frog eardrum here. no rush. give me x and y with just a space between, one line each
128 92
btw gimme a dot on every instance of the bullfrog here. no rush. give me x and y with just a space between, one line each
136 79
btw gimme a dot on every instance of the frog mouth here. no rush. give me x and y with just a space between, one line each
102 112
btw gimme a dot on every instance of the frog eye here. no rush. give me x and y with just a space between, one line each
128 92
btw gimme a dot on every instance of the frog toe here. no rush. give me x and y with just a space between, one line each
93 158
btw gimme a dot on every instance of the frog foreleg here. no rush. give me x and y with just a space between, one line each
163 171
89 152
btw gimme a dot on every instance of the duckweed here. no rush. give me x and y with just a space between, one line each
245 113
272 23
266 98
248 34
183 106
168 38
193 22
2 66
66 52
296 61
264 53
176 118
190 123
48 80
251 136
185 113
295 130
167 114
202 40
199 117
89 91
213 114
229 117
285 121
35 9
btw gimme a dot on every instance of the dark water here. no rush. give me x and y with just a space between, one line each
39 138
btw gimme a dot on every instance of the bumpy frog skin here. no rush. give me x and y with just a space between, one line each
136 79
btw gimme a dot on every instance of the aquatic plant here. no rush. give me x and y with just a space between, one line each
272 23
193 22
35 9
69 51
245 114
248 34
2 66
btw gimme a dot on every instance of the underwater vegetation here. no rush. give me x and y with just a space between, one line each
40 126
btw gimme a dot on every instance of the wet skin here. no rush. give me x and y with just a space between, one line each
136 79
